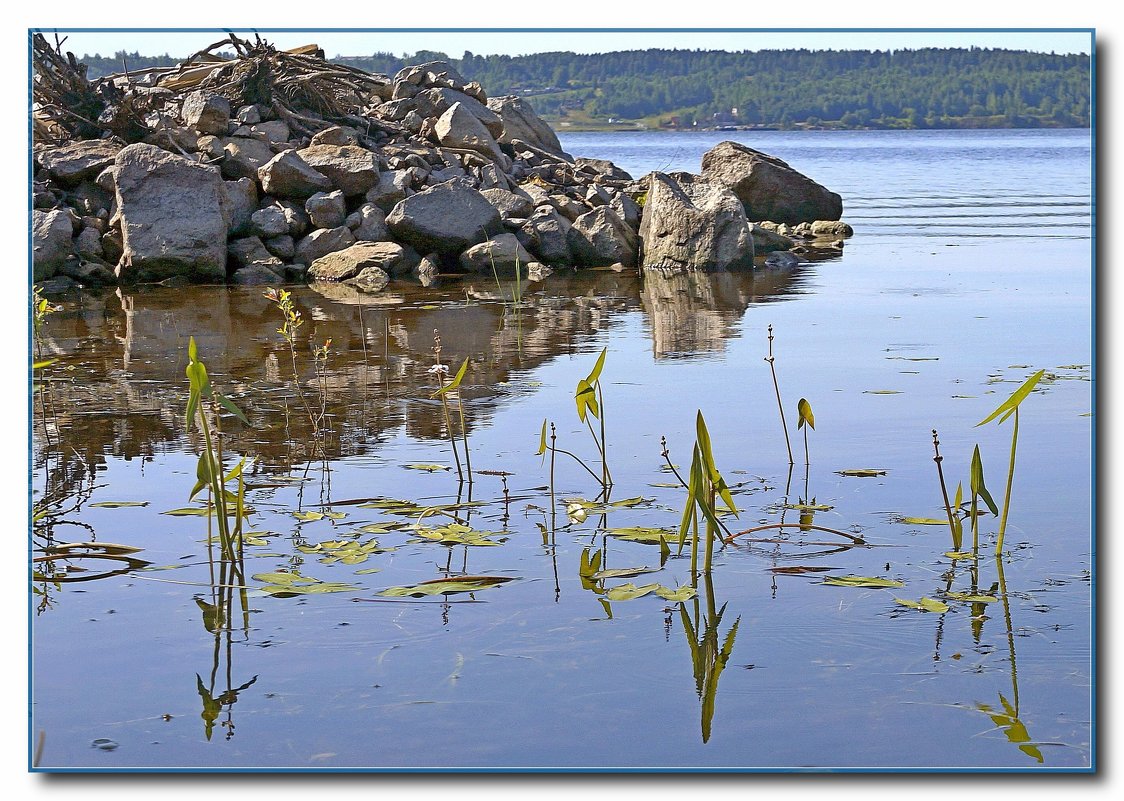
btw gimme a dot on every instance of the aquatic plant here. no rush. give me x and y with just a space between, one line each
1006 409
780 406
590 401
440 370
705 488
979 491
955 525
291 321
805 420
210 469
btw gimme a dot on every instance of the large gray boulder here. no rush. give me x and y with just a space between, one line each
241 199
447 219
600 237
501 254
323 241
52 235
351 169
521 122
767 187
389 257
545 235
459 128
691 224
172 214
206 112
242 157
289 175
73 163
435 102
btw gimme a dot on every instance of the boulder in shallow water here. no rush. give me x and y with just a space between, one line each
768 188
447 218
692 224
173 216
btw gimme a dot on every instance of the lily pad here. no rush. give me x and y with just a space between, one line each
428 468
922 521
622 572
642 534
808 507
959 554
308 517
870 582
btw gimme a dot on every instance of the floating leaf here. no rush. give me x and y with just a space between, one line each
975 598
862 472
870 582
959 554
284 585
628 592
118 504
804 412
922 521
925 605
576 512
199 511
335 515
1007 407
446 586
796 570
308 517
622 572
882 392
641 534
456 534
808 507
429 468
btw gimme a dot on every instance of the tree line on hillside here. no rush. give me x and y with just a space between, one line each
924 88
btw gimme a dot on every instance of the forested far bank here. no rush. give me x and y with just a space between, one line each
924 88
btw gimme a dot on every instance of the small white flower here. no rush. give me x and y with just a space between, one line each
438 369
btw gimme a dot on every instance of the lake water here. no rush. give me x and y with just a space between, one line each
970 269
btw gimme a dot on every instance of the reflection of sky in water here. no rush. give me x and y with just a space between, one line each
530 675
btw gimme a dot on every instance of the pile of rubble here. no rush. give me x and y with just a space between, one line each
274 166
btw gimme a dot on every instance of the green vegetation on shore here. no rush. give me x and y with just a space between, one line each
926 88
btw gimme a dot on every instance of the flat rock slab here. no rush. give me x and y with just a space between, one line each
350 262
74 163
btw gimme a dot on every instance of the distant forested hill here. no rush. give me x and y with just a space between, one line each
926 88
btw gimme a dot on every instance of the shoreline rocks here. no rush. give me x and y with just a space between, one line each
221 189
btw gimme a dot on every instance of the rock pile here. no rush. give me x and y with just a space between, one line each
223 171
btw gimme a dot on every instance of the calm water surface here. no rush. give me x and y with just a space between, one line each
969 270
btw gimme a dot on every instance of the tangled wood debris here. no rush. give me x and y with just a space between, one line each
299 85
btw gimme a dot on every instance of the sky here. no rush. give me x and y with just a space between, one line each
454 42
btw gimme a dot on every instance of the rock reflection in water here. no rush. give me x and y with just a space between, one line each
118 387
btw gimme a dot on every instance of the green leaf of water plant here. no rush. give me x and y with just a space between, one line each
804 415
595 373
308 517
428 468
629 591
862 472
118 504
922 521
977 482
882 392
1007 407
199 511
975 598
954 555
456 534
809 507
622 572
230 406
684 593
870 582
925 605
586 399
641 534
446 586
542 440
